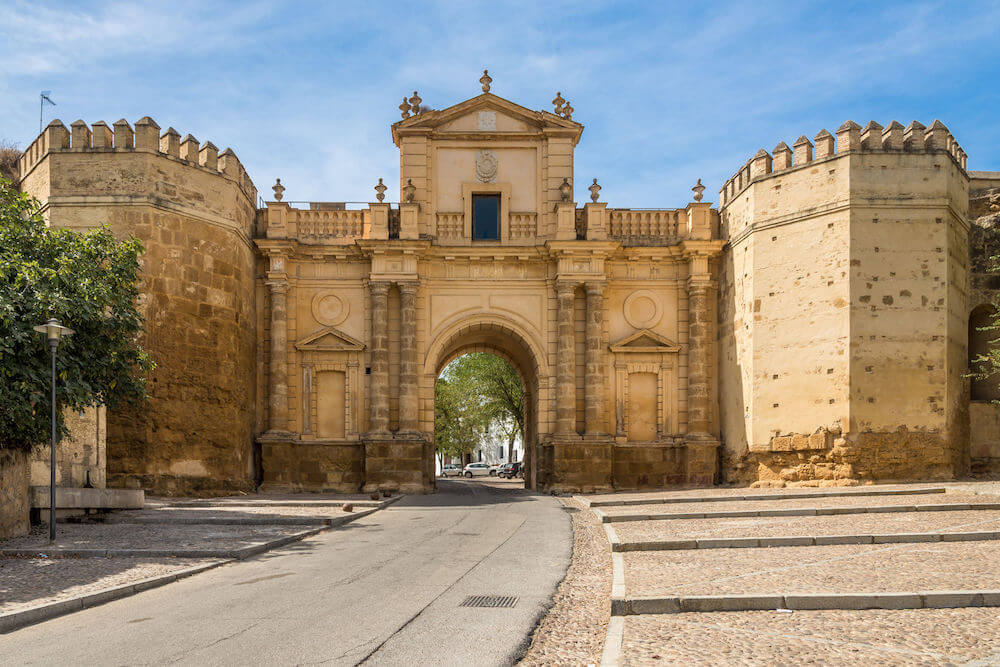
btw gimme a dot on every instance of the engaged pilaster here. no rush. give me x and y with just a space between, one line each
379 387
565 360
408 400
700 338
278 368
594 379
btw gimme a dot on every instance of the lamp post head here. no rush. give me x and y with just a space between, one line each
53 331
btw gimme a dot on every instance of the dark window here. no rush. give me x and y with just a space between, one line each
486 217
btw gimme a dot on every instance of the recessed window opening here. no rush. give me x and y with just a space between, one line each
486 217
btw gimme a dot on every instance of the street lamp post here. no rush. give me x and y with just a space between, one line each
53 333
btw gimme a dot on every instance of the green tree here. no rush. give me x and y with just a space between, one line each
478 392
88 281
987 366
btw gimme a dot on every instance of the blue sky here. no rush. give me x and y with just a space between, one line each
668 92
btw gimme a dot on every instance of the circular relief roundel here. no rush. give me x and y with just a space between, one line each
329 309
642 309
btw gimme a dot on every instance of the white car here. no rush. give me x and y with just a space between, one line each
476 470
451 470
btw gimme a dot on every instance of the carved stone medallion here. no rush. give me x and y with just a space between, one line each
329 309
486 166
487 120
642 309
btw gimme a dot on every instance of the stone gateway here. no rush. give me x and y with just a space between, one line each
814 329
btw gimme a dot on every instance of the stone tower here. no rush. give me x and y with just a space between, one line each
194 210
843 308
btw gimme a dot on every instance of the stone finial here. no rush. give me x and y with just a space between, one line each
782 156
848 137
565 191
208 156
486 80
409 191
892 136
558 103
871 136
824 144
279 189
803 150
595 190
57 137
147 134
228 163
405 108
415 102
568 111
380 190
124 136
699 190
913 136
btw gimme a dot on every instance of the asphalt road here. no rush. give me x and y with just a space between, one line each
384 590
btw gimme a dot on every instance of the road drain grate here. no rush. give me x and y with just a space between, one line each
489 601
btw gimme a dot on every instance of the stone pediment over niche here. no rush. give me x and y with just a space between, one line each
645 340
329 339
465 117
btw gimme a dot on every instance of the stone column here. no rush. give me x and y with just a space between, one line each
277 390
700 341
565 361
408 357
379 384
594 408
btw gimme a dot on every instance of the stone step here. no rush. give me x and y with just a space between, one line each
799 511
759 496
800 541
674 604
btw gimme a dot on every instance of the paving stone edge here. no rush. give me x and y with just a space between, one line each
15 620
797 541
804 511
771 496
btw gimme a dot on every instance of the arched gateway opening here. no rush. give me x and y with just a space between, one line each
500 338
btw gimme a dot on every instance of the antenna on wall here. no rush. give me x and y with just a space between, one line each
43 97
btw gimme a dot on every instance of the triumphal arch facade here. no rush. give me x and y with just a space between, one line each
607 314
814 329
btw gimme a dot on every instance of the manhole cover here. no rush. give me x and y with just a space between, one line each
489 601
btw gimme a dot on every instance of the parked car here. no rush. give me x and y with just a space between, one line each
510 470
476 470
451 470
495 468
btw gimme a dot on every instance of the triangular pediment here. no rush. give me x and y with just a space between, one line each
451 118
645 340
329 339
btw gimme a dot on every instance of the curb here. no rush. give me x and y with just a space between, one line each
625 606
804 511
15 620
181 504
772 496
220 521
611 656
797 541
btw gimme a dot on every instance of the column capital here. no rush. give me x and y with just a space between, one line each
408 286
564 285
595 286
378 285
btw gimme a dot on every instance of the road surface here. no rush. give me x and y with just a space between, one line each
384 590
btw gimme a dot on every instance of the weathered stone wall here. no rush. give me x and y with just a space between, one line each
81 457
15 503
844 296
320 467
193 209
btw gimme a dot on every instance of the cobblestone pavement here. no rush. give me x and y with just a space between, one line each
29 582
572 633
787 504
898 637
847 524
149 536
829 569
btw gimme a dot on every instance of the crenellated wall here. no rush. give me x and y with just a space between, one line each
843 308
193 208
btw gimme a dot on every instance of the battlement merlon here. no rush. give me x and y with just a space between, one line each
145 137
850 137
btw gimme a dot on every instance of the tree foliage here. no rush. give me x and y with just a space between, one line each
88 281
476 393
987 366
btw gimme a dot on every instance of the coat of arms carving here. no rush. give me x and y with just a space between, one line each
486 166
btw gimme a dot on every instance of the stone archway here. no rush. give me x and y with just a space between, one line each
507 340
